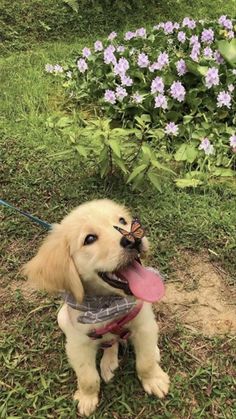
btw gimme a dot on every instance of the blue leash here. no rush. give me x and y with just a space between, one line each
42 223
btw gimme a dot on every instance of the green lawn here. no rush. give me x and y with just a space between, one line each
36 379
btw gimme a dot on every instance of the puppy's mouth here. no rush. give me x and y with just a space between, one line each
134 279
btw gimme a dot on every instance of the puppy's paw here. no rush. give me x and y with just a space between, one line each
157 383
108 365
87 403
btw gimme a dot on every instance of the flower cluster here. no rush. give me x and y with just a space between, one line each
177 73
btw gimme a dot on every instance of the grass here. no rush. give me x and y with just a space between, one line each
36 379
38 382
31 21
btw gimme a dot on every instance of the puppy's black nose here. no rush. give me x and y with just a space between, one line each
127 244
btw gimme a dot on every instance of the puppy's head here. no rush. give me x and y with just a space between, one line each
86 251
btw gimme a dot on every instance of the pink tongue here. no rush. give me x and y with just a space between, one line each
144 284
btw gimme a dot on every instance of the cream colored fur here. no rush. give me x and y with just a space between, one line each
63 262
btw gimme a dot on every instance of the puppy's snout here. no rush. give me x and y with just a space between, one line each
127 244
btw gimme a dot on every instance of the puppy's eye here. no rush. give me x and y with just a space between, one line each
89 239
122 221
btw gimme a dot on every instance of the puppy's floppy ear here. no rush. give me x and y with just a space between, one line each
53 268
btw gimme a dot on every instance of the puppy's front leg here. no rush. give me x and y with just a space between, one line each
82 358
144 337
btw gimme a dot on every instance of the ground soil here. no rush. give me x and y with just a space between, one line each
200 296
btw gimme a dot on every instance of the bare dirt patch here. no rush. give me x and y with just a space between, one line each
199 296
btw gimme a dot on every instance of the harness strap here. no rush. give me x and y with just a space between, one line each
116 327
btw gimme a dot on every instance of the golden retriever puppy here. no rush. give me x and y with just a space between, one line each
92 256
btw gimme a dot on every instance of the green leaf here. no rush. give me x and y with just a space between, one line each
181 154
198 70
147 151
157 133
137 181
81 150
186 152
173 116
120 164
73 4
188 183
136 172
155 180
187 119
63 122
192 153
220 171
160 166
115 146
228 51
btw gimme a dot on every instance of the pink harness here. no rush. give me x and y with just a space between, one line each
116 327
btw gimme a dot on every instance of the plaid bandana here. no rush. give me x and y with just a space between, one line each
100 308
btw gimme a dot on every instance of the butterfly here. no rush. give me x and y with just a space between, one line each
136 232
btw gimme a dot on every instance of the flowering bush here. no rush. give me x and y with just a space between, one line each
171 93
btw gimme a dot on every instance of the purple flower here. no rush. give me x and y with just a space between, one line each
230 88
193 40
168 27
121 66
143 60
177 91
181 67
120 48
161 102
207 36
82 65
176 25
86 52
162 60
157 85
222 20
98 46
224 99
228 24
121 93
129 35
207 52
159 26
110 96
191 24
230 35
110 48
112 36
137 98
126 80
58 68
232 141
218 58
172 129
195 51
206 146
49 68
109 57
153 67
212 77
141 33
181 37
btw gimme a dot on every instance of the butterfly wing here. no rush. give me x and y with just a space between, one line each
136 229
128 235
